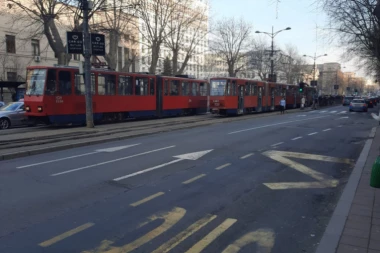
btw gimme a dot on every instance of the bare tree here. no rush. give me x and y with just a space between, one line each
187 29
116 20
290 64
155 16
46 17
354 25
231 43
258 57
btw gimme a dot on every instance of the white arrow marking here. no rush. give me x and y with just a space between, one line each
113 149
111 161
343 117
190 156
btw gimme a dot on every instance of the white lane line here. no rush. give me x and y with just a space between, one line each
342 112
373 132
246 156
340 126
313 133
328 129
301 115
343 117
108 150
277 144
297 138
223 166
147 170
276 124
111 161
323 111
56 160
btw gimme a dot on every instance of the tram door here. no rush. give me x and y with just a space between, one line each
260 100
272 99
240 99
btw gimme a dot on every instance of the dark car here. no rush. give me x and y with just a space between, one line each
369 102
347 100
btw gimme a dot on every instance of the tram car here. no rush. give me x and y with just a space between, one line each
56 95
235 96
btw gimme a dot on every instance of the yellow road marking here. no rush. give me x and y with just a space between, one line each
223 166
169 245
193 179
147 199
66 234
323 180
263 237
246 156
202 244
170 219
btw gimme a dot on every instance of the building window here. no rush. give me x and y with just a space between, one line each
11 76
36 47
126 56
10 43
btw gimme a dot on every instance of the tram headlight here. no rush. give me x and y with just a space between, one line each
27 109
39 109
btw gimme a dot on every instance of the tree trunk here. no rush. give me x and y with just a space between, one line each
231 71
155 54
111 56
175 62
180 71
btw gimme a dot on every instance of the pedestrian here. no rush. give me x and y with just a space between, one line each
302 102
282 105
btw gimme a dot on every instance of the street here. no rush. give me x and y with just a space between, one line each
265 185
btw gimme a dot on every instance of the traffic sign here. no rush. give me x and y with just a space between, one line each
74 42
98 44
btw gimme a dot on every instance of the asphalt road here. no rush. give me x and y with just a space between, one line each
259 185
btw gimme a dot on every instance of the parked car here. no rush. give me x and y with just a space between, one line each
13 114
347 100
2 104
358 105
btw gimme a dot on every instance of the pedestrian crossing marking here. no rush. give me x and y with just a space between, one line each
333 112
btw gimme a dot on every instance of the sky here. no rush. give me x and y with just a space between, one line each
301 15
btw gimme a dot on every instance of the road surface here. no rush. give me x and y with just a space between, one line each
258 185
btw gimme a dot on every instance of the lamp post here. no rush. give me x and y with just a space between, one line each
315 57
272 35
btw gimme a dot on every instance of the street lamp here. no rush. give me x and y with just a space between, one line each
272 35
315 57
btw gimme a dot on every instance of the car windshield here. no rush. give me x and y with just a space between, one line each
348 98
35 81
10 107
357 101
218 87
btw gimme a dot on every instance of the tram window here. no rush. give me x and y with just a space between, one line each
254 89
101 84
247 89
79 84
185 89
141 88
174 88
228 88
110 86
51 83
125 85
195 89
203 88
152 86
64 78
166 88
233 91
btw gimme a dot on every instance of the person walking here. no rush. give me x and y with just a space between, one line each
303 102
282 105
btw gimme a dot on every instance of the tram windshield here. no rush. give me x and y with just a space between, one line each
218 87
35 81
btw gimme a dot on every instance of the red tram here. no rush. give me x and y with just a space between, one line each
55 95
234 96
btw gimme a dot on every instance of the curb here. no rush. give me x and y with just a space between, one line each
118 138
330 239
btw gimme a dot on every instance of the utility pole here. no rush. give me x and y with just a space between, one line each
86 7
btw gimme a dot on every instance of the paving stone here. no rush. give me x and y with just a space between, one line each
374 244
376 221
366 227
355 241
343 248
359 218
356 233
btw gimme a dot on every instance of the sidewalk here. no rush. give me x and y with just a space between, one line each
355 224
